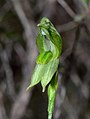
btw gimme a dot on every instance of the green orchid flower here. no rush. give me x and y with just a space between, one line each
49 44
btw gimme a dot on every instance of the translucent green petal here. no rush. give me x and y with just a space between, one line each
50 69
37 75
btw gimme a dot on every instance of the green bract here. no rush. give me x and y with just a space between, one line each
49 44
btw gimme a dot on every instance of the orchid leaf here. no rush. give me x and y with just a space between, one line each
52 88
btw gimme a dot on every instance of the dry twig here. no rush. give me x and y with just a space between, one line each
23 97
67 8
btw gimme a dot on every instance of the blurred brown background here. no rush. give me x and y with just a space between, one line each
18 31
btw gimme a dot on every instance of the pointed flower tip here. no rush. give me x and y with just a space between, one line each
38 25
28 88
43 90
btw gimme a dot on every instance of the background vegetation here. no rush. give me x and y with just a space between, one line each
18 30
